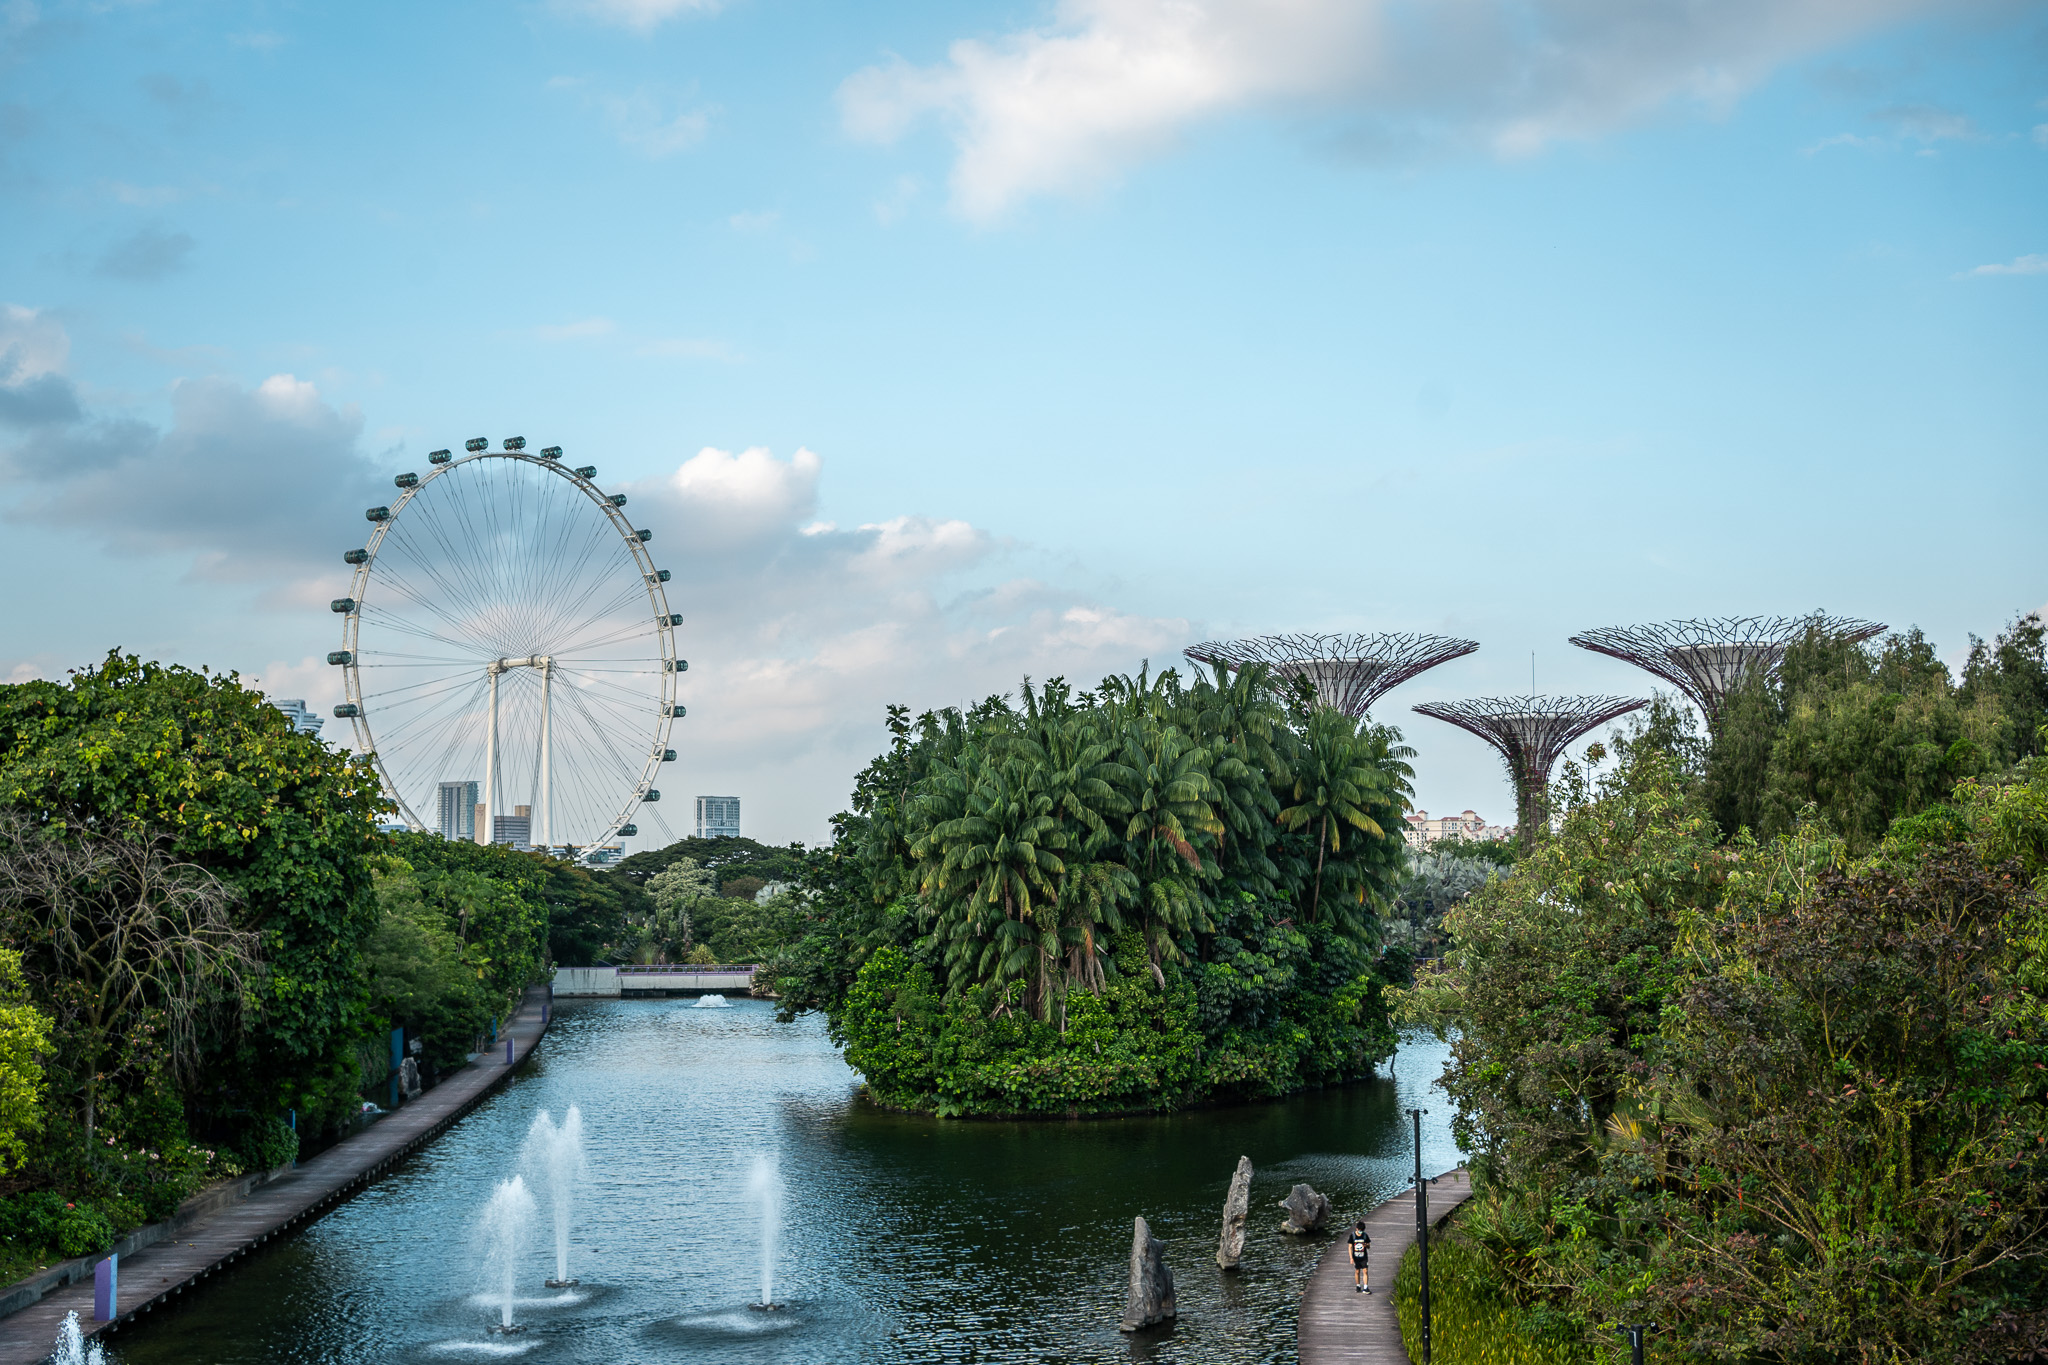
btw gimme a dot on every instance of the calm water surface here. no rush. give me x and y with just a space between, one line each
903 1239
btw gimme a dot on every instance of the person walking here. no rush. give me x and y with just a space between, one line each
1361 1278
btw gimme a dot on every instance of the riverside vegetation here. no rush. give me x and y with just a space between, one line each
205 945
1754 1045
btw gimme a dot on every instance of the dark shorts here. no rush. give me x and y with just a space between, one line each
1358 1262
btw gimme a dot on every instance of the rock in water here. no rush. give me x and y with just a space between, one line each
1151 1282
1306 1210
1237 1206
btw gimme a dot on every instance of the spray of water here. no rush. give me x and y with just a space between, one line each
765 1188
73 1348
506 1226
553 1154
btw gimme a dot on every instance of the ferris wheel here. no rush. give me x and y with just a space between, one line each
509 652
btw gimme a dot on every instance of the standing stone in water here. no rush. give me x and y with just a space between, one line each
1306 1210
1151 1282
1237 1206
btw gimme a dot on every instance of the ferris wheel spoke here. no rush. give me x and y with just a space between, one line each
447 595
400 626
426 601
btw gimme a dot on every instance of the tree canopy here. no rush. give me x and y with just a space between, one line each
1195 868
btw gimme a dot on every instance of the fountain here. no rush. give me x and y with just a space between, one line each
73 1348
711 1002
555 1156
507 1220
766 1188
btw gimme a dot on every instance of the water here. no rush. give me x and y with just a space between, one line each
900 1238
73 1348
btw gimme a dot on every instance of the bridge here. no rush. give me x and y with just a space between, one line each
651 979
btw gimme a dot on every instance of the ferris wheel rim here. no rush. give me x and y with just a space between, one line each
651 579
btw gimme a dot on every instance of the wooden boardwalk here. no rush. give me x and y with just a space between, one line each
1339 1325
157 1273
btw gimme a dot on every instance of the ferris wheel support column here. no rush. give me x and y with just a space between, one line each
483 825
547 828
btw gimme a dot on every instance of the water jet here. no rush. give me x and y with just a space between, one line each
766 1188
554 1154
507 1220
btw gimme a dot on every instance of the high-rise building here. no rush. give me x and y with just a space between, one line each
718 817
458 811
299 714
515 829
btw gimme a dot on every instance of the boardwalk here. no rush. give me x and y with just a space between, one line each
155 1274
1340 1326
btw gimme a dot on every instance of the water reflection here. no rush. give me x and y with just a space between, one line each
901 1238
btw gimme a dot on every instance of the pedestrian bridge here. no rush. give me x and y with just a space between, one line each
657 978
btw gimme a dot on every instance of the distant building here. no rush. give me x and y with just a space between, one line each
515 829
299 714
1423 831
718 817
457 816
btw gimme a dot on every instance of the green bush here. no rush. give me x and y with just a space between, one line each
268 1145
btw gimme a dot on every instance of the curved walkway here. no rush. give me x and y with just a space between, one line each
156 1274
1339 1325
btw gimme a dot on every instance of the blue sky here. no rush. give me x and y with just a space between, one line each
1102 327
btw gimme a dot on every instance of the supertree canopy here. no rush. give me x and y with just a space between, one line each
1706 659
1531 733
1348 672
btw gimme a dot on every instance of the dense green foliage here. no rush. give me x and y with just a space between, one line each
1865 733
207 943
1785 1095
1145 896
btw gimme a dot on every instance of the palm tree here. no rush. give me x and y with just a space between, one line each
1337 782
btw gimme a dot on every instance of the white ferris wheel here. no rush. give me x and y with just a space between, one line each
509 652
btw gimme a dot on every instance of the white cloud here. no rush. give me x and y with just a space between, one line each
2019 265
639 15
645 123
576 331
32 344
255 484
799 632
754 222
686 348
2041 135
1068 106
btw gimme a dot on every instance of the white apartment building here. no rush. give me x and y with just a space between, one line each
1423 830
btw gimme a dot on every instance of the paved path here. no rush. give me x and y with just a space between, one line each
1339 1325
155 1274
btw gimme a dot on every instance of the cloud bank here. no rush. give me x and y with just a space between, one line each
799 631
1068 106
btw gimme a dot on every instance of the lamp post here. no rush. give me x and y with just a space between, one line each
1422 1227
1635 1333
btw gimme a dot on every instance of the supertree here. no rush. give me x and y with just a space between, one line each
1531 734
1707 658
1348 672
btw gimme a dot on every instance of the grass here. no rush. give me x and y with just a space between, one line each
1472 1321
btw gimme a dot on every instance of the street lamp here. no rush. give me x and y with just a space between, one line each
1422 1226
1635 1333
